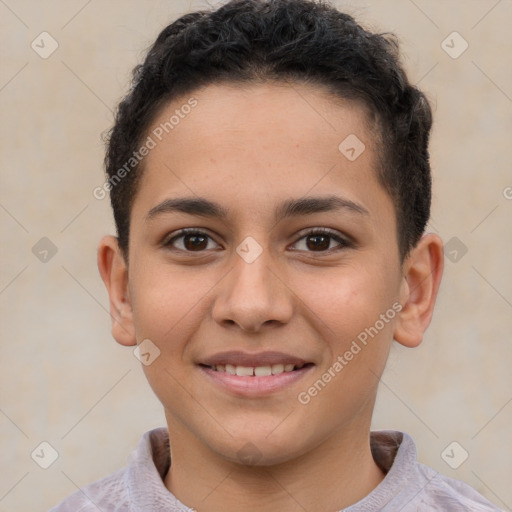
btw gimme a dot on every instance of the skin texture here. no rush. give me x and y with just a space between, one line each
250 148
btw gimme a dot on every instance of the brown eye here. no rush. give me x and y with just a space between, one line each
195 242
320 241
189 241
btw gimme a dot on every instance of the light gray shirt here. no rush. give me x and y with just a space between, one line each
408 486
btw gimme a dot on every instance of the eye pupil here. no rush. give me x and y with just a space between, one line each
316 239
198 242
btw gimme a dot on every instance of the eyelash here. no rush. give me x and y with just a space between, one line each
344 242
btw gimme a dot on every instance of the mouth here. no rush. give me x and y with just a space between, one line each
256 374
256 371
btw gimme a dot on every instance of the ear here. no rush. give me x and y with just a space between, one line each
422 272
114 272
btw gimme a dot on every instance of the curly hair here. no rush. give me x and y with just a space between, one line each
246 41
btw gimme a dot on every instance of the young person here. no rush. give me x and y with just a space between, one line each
270 181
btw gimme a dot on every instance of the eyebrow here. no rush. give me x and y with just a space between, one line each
202 207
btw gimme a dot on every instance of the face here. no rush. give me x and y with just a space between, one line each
290 262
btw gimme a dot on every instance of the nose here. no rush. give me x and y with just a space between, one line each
253 295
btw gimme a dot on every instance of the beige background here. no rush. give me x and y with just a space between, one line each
65 381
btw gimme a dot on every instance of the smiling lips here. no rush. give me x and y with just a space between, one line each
276 361
254 374
257 371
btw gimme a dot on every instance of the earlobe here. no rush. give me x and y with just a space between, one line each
423 270
114 272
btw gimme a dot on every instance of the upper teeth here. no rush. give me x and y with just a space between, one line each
258 371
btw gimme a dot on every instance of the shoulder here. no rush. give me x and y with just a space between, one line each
126 489
440 492
107 494
427 489
410 486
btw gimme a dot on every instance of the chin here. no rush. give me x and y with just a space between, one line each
258 448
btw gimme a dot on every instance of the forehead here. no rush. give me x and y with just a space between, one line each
259 143
251 114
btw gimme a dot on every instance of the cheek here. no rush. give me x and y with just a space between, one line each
160 301
355 318
348 303
169 305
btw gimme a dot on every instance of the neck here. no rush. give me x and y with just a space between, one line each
342 467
